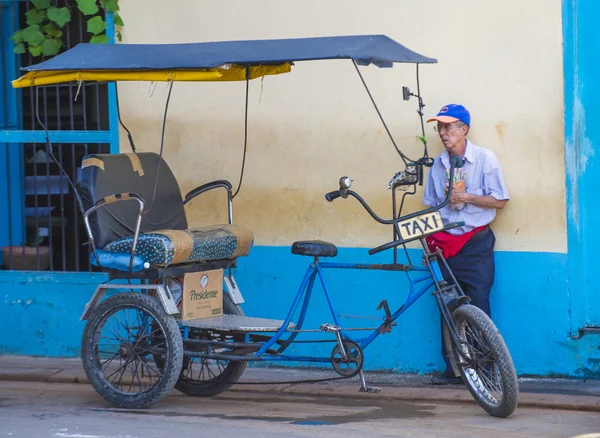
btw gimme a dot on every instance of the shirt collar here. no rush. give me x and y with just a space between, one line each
469 155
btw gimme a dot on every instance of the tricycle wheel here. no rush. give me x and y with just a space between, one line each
488 370
202 377
122 339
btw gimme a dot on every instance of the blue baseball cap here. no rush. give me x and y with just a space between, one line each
453 113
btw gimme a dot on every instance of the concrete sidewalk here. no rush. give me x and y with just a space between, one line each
572 394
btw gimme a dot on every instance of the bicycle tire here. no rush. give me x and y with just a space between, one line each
475 378
231 373
173 347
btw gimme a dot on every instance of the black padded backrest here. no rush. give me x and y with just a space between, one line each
104 175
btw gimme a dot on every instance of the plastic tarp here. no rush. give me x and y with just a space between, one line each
211 61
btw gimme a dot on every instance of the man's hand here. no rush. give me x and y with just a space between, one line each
460 197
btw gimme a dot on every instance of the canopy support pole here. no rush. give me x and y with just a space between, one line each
162 144
245 131
121 122
420 111
404 157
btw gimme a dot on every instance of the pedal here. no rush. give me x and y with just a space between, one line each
330 328
369 389
364 387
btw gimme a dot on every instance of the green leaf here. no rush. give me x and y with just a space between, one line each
119 37
51 46
19 49
423 139
87 7
60 16
96 25
118 20
52 30
35 16
41 4
36 50
33 36
17 37
100 39
110 5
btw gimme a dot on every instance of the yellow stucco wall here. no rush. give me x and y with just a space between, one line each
503 60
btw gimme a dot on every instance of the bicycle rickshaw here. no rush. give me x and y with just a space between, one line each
136 345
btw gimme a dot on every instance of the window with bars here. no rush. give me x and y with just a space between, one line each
41 227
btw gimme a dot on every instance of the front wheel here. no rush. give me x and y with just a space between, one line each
487 367
124 340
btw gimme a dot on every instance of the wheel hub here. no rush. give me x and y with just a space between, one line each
126 350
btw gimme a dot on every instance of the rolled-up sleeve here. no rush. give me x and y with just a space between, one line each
493 180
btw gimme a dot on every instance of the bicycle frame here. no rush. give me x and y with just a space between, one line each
432 278
316 270
430 275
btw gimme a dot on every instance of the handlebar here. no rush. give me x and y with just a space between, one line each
455 162
332 196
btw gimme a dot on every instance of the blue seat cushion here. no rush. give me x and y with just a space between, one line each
173 247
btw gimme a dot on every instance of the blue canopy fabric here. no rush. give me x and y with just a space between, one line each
379 50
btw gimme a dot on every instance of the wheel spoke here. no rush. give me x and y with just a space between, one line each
132 375
201 370
486 377
115 331
480 342
127 328
481 357
108 361
210 372
150 367
123 368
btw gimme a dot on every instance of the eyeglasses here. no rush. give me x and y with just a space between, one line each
441 128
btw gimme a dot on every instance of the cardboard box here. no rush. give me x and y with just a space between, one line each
202 295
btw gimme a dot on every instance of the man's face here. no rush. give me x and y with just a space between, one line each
452 135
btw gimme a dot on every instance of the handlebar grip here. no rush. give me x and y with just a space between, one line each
331 196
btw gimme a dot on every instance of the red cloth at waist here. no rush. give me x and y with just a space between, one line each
449 243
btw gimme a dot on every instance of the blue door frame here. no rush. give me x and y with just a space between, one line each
582 133
11 158
12 136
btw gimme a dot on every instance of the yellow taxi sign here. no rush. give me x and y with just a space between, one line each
420 225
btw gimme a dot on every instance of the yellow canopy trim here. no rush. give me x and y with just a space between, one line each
233 73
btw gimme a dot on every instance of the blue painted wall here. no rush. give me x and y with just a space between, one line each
40 312
582 136
530 305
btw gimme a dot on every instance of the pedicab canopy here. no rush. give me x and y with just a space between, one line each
211 61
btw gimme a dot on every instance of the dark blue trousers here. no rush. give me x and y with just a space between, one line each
474 270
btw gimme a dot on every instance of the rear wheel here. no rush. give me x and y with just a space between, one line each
123 341
487 368
202 377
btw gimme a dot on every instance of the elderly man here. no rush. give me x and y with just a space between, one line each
477 192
